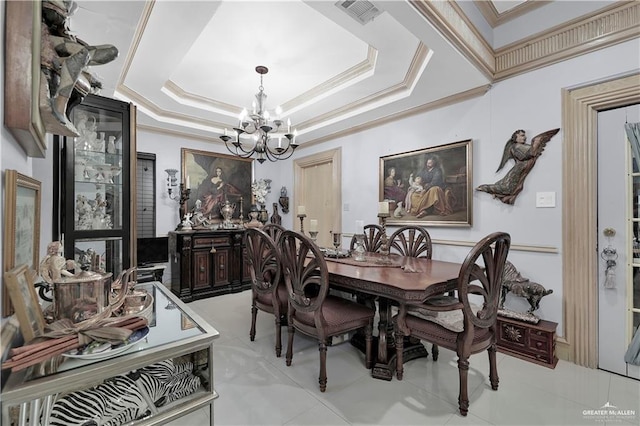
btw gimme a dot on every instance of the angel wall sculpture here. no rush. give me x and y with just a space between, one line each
525 157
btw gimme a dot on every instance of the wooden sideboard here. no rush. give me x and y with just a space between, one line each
531 342
207 263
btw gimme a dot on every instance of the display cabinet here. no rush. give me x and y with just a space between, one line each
31 396
95 184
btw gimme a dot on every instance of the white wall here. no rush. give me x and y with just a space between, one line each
531 101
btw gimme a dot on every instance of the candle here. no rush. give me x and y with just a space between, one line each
225 131
313 225
279 141
301 210
188 182
288 125
359 227
383 207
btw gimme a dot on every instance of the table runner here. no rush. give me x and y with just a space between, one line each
369 261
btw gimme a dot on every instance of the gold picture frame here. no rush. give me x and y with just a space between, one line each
21 225
450 204
198 170
22 76
19 282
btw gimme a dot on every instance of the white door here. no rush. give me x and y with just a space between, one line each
318 183
615 296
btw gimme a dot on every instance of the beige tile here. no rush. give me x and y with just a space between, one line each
256 388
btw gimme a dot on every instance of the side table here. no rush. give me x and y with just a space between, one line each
531 342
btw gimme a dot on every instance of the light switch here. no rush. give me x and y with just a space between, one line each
545 199
345 207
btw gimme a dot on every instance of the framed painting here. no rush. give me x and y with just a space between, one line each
21 225
430 187
214 178
20 283
22 76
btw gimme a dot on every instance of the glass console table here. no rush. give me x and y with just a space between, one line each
174 331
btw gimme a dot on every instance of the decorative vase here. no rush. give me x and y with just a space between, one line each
264 214
358 249
275 217
226 211
254 213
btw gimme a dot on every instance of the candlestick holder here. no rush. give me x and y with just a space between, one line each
313 235
182 196
301 217
384 238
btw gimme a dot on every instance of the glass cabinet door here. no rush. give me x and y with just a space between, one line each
95 189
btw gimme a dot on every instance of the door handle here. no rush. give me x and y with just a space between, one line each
610 256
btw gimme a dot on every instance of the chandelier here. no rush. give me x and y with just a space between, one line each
268 141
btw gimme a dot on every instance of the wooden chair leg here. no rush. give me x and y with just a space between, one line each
322 347
252 331
493 368
463 397
435 352
278 337
289 355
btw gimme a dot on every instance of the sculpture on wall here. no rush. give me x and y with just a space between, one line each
64 64
525 157
513 282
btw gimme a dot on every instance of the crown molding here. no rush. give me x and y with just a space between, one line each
450 20
440 103
608 26
494 18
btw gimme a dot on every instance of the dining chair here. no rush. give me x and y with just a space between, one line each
411 241
460 325
372 238
268 292
274 230
312 310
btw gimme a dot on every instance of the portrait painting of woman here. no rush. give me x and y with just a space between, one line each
215 178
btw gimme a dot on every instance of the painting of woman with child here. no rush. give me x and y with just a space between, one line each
430 186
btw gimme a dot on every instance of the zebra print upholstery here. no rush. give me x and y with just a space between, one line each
121 399
114 402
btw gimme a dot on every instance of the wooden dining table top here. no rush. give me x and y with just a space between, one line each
403 279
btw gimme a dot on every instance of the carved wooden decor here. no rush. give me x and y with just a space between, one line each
22 76
531 342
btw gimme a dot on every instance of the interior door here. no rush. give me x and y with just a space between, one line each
615 236
318 187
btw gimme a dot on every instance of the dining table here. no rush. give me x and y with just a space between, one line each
392 280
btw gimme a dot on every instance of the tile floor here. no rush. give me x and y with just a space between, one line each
256 388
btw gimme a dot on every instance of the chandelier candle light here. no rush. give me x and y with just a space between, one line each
264 130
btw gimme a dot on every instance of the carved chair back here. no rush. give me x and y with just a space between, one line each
305 272
274 230
411 241
372 238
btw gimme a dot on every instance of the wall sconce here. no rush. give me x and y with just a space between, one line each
172 182
284 200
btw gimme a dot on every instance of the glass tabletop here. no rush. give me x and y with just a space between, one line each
169 323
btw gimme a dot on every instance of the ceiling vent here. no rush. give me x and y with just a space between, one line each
362 11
